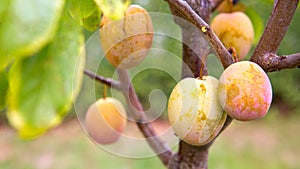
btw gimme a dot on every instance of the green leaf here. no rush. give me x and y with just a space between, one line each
86 13
81 8
3 89
26 26
113 9
42 85
256 2
92 22
258 23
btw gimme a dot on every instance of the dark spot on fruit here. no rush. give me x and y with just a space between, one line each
203 88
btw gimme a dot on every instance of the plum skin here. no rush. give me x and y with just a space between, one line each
245 91
126 42
106 120
234 30
194 111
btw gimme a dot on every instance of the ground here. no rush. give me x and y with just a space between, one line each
269 143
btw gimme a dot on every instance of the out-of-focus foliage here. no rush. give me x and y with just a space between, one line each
41 63
153 5
258 23
26 27
3 89
86 13
42 85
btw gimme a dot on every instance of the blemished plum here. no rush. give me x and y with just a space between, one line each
106 120
126 42
194 110
234 30
245 91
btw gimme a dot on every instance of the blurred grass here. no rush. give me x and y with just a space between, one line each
269 143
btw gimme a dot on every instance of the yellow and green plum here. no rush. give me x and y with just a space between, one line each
234 30
194 111
106 120
126 42
245 91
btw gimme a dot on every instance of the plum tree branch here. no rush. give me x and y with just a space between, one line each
108 81
214 4
276 28
197 12
184 9
273 62
193 52
136 108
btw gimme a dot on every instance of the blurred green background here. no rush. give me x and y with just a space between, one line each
269 143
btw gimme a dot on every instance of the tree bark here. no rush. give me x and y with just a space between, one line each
194 65
276 28
190 157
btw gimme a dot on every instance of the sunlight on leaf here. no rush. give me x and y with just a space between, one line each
113 9
42 85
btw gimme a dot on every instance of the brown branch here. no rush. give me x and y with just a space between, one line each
214 4
136 109
274 62
274 32
108 81
184 9
194 48
193 53
190 156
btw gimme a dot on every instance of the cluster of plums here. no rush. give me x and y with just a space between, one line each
197 107
126 43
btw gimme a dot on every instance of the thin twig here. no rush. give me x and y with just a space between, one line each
274 32
163 151
189 14
108 81
136 109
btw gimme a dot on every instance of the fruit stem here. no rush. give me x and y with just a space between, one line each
230 5
232 51
104 91
202 67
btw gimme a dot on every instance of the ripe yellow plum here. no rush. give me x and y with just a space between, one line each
245 91
126 42
234 30
194 110
106 120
